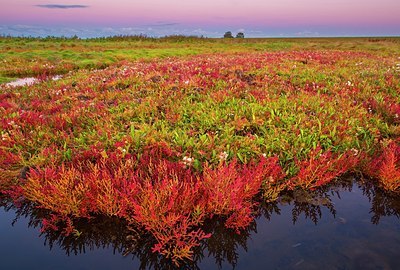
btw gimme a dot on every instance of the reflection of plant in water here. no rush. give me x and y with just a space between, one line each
310 202
104 232
383 203
223 244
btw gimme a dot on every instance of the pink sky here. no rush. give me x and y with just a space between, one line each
363 17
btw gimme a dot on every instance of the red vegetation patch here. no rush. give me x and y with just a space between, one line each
385 166
162 196
230 188
322 167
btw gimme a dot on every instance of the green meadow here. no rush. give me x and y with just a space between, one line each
28 56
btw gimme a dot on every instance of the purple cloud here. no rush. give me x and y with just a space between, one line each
59 6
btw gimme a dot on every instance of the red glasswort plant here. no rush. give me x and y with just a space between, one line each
385 166
322 167
231 188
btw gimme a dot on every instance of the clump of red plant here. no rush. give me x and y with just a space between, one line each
385 166
155 192
322 167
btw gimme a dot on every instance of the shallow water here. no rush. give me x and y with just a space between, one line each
22 82
29 81
348 226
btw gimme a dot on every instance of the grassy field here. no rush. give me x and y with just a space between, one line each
168 133
21 57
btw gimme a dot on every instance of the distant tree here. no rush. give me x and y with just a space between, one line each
240 35
228 34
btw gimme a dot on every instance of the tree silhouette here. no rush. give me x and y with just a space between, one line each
240 35
228 34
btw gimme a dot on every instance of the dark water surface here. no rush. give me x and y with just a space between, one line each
351 225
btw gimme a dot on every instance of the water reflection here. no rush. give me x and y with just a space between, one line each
383 204
225 249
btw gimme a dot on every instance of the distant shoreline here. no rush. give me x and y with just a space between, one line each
171 37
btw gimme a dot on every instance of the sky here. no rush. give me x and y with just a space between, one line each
210 18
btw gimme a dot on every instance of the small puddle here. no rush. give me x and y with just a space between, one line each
22 82
29 81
